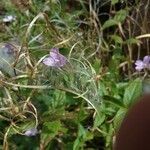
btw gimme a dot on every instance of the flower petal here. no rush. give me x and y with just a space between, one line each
54 52
62 60
49 61
55 59
146 59
31 132
139 65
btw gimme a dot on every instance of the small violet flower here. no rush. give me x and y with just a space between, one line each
31 132
55 59
145 64
9 18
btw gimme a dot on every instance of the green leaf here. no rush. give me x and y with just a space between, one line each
121 15
82 114
132 92
109 23
99 119
79 141
132 41
119 117
83 136
117 39
114 101
96 65
109 135
113 2
102 89
52 128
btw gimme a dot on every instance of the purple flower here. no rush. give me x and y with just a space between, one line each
31 132
145 64
55 59
146 60
139 65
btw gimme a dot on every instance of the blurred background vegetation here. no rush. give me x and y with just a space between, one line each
80 105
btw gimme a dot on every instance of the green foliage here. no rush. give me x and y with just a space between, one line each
132 92
83 136
114 2
81 104
119 17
